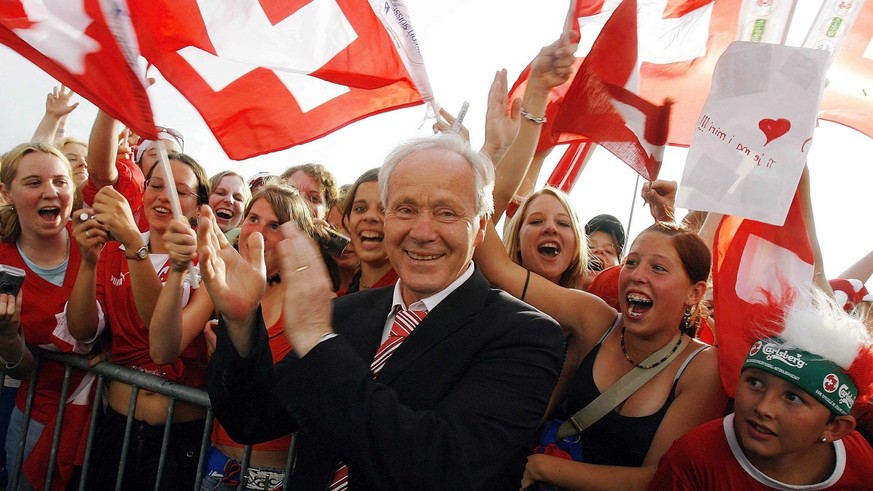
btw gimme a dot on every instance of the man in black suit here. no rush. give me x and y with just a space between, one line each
454 407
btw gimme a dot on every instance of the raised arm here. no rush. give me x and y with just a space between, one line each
173 325
57 107
81 309
861 270
102 150
551 67
660 195
529 183
586 315
112 210
803 188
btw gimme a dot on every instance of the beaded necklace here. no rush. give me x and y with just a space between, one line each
653 365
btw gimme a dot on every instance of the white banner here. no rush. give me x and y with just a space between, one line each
834 20
765 21
755 131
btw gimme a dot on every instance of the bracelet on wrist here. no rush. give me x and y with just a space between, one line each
531 117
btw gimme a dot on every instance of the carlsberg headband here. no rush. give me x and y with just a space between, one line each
819 377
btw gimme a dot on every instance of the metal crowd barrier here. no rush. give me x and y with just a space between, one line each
139 380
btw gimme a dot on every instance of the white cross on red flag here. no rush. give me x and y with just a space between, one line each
750 261
267 75
81 47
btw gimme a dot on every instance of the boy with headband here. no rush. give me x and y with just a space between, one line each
792 427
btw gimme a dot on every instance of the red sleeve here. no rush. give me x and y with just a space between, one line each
130 184
605 286
669 476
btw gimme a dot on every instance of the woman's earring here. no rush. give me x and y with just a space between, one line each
686 320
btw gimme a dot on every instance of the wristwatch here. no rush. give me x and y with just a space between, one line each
139 254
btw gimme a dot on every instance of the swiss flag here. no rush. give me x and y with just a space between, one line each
570 166
601 104
750 258
680 41
847 98
267 75
85 50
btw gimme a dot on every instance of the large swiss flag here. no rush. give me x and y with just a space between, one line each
84 49
749 260
267 75
680 41
601 103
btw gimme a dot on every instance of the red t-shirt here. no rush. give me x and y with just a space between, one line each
42 310
130 183
130 337
709 457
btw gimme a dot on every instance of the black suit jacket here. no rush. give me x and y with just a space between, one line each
454 407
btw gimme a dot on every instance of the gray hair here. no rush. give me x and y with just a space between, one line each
480 164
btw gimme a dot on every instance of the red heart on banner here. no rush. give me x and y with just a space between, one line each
774 128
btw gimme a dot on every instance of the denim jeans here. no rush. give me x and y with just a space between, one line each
7 404
13 437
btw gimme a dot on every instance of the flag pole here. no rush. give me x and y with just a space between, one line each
173 198
630 218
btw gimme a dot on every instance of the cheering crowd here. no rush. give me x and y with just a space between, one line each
425 353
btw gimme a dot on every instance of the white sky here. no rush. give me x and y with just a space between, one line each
463 43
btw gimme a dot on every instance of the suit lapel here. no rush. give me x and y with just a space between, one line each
364 324
453 313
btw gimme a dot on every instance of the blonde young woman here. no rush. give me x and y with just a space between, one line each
545 237
35 236
227 197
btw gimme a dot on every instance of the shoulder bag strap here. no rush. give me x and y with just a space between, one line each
619 391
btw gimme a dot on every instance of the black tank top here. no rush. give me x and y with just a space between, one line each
614 439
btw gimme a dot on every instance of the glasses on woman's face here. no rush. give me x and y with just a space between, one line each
158 186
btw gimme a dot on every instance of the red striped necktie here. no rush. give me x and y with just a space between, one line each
404 323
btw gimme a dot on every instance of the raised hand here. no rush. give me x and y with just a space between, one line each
90 235
112 210
181 242
16 355
661 197
10 312
308 294
57 102
219 262
554 63
502 118
446 126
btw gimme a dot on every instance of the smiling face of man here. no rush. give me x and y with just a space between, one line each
431 221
